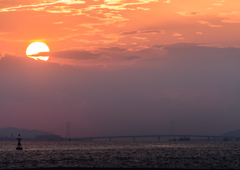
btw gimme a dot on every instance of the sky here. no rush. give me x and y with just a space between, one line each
121 67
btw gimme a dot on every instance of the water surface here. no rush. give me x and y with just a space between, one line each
171 154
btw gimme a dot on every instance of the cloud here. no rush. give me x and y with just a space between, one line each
153 32
74 55
98 13
158 31
72 6
209 24
43 6
188 13
167 1
131 57
129 33
218 3
140 38
58 22
183 45
117 49
145 9
232 17
158 46
177 34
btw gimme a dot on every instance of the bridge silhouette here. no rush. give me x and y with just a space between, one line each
156 136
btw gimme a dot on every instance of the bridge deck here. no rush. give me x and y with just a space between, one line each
157 136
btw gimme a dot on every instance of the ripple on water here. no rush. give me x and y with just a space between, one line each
121 154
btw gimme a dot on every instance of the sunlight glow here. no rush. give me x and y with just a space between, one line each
36 48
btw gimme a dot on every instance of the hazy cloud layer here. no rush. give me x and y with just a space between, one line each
195 86
72 54
76 55
132 57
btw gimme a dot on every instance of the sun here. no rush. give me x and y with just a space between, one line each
35 48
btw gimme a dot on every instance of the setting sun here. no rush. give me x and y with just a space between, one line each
35 48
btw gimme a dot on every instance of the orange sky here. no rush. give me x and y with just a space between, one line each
108 27
149 62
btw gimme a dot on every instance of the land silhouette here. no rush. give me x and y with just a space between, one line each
10 134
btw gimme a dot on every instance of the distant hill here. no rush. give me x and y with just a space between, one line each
235 133
23 132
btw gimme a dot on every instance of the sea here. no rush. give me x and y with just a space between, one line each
120 154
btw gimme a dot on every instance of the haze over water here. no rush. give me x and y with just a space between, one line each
191 154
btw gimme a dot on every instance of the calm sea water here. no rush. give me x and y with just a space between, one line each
189 154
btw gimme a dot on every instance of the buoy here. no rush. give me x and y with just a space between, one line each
19 146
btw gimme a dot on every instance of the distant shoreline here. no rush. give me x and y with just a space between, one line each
80 168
